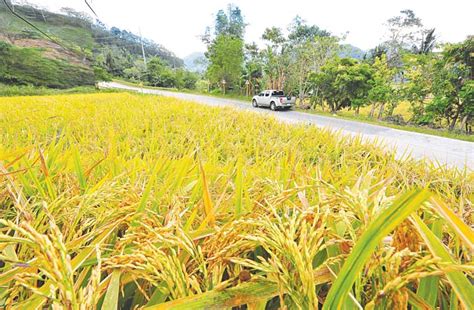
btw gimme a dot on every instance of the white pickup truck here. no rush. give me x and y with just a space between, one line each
275 99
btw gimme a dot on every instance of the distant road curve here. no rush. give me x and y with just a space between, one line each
445 151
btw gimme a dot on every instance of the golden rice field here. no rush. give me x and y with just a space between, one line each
121 201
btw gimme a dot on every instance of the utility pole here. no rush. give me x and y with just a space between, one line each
144 60
143 49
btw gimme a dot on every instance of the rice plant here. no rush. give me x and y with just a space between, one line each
119 201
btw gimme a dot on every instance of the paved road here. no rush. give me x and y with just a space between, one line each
444 151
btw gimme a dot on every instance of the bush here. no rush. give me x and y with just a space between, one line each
101 74
190 79
202 86
395 119
216 91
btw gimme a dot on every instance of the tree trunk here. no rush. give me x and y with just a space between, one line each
301 89
301 94
391 109
464 123
357 110
372 110
301 97
453 122
379 117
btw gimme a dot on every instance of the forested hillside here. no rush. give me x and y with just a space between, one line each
79 49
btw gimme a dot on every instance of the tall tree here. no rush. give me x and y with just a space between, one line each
309 47
404 33
226 59
276 58
309 56
225 52
453 85
236 22
301 32
253 69
230 23
428 42
222 23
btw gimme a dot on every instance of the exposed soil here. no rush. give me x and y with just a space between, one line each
51 49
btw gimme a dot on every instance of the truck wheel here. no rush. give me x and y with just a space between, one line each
254 103
273 106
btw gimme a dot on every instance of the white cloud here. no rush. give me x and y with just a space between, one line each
177 24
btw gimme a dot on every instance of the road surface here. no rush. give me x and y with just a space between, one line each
444 151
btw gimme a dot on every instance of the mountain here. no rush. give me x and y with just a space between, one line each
352 51
76 43
196 62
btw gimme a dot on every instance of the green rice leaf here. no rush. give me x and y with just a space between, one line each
386 222
460 284
112 295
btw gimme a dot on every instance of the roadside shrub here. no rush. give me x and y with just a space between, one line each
202 86
395 119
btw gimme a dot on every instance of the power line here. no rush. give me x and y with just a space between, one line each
130 44
90 7
35 27
26 21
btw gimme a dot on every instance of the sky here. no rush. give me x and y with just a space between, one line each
177 24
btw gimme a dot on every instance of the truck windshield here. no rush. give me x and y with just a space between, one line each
278 93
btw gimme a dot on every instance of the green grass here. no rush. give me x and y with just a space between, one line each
29 90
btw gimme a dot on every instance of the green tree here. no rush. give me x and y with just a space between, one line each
225 52
308 57
226 58
159 74
222 23
301 32
382 90
405 31
253 68
230 23
185 79
417 84
467 96
276 59
236 22
452 85
137 72
343 83
289 61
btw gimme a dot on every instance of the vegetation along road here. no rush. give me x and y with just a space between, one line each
438 149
